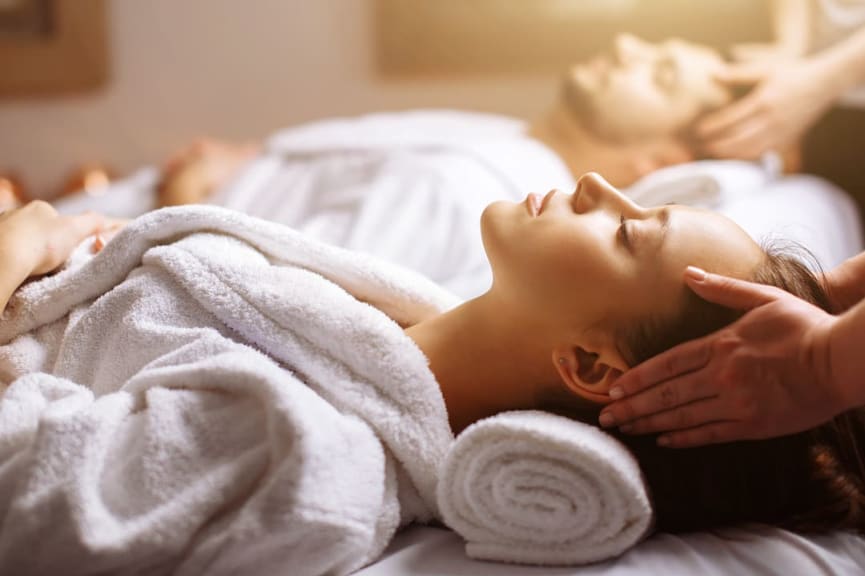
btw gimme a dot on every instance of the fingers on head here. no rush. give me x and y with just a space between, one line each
677 419
732 292
678 361
76 228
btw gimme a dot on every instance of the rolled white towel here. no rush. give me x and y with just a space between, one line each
535 488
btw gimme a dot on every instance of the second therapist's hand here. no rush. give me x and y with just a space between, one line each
765 375
36 239
784 102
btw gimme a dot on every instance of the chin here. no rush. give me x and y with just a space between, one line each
491 221
498 222
496 213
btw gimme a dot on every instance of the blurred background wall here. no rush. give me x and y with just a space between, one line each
240 69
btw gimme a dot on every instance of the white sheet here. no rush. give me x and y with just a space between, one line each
758 551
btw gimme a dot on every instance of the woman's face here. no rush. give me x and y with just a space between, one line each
594 260
642 90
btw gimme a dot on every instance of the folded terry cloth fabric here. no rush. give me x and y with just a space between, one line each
535 488
215 394
708 184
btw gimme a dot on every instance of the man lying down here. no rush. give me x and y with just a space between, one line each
368 183
217 394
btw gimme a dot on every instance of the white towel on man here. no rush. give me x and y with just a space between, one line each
372 182
534 488
212 394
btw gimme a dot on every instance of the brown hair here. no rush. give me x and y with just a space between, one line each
811 481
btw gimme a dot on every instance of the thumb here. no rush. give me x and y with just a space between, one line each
730 292
741 74
78 227
68 232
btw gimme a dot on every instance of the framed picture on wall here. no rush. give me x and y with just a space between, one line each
50 47
25 18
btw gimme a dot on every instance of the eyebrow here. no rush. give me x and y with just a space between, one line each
663 218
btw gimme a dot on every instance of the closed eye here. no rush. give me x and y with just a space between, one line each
622 232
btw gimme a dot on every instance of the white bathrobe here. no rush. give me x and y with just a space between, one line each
215 394
408 187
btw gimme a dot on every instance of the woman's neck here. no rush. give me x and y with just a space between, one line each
484 360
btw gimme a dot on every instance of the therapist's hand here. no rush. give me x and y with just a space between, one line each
765 375
785 100
36 239
191 175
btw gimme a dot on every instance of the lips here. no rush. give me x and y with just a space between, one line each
533 204
536 205
545 202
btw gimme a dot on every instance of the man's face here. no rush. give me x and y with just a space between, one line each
642 90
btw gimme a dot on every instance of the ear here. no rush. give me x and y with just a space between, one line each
588 374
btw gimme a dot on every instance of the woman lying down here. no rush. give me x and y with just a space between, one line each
217 394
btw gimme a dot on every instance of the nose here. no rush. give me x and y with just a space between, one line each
629 49
595 193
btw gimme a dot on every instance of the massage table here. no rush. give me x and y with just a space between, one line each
769 206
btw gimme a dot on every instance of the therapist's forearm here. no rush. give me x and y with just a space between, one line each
843 64
790 25
846 361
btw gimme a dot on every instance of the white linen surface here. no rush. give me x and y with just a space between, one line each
535 488
152 432
755 551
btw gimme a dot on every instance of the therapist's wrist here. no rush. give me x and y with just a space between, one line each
821 362
826 73
840 358
841 67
